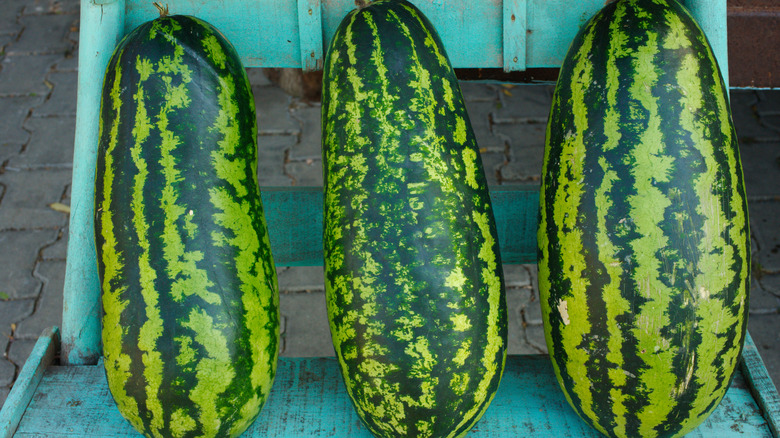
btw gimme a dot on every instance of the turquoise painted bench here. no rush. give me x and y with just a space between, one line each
62 391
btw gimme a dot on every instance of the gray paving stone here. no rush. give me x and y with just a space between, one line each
765 294
516 299
17 261
534 334
9 19
771 121
57 250
532 311
8 151
480 114
13 311
763 330
272 150
69 63
769 102
5 40
745 116
4 391
763 161
307 332
7 373
48 311
257 78
62 99
13 113
4 395
63 6
764 227
309 145
492 163
40 7
276 144
15 7
19 351
273 116
301 279
524 102
25 204
305 173
50 145
43 34
517 342
479 92
526 151
24 74
516 276
6 334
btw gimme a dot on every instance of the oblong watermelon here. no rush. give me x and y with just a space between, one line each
414 281
643 235
191 323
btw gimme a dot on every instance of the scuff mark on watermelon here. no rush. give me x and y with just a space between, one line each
563 309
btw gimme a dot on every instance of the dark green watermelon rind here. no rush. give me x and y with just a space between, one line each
643 240
189 286
413 274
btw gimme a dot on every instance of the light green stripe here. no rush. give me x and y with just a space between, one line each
424 103
494 343
348 168
573 307
614 302
181 423
181 265
542 238
257 277
117 363
152 328
429 40
181 268
391 405
214 49
617 49
214 373
386 113
258 284
715 319
647 210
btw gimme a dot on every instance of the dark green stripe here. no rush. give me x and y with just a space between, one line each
652 244
162 213
401 162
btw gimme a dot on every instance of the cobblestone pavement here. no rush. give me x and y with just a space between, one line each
38 69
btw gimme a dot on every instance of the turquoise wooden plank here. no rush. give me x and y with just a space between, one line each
711 16
266 32
515 22
101 26
763 389
310 34
26 384
308 399
294 217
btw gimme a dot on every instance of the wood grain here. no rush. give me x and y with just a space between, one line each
309 400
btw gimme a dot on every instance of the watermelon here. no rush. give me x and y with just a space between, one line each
413 275
189 292
643 239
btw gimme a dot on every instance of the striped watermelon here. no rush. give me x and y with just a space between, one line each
643 234
190 325
414 283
